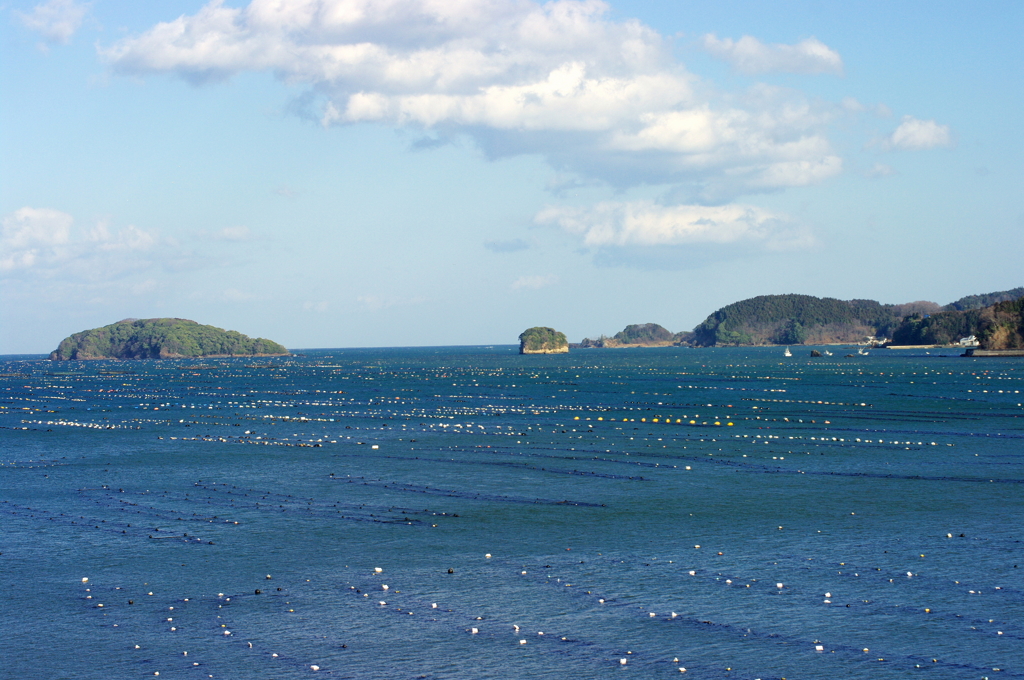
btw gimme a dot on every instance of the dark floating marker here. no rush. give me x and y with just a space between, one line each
259 592
450 570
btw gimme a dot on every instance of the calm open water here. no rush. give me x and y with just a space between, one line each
729 512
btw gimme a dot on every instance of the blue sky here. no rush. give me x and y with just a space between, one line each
400 172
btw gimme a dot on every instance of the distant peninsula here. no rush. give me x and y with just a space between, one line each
162 339
995 319
542 340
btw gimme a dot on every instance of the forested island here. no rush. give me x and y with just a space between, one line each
639 335
542 340
162 339
994 318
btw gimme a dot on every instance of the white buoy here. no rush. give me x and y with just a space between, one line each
674 615
819 648
778 585
433 605
474 631
651 614
622 662
314 667
828 594
693 573
85 579
377 570
488 555
384 587
522 642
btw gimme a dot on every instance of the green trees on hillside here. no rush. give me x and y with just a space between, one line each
542 340
160 339
1002 325
644 332
986 300
794 320
944 328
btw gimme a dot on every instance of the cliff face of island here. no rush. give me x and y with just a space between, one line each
161 339
542 340
1002 326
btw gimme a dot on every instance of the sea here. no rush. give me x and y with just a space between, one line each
467 512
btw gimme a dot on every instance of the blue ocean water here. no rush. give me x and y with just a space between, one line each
606 513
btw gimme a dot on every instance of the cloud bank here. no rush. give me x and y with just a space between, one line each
644 223
43 243
751 56
605 99
57 20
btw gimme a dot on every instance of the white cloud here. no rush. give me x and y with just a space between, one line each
29 236
535 282
750 55
378 302
236 233
880 170
644 223
236 295
600 98
319 307
43 242
56 20
913 133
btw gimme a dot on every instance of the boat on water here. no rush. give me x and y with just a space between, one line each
827 353
787 353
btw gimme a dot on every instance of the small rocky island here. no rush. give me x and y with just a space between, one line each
542 340
162 339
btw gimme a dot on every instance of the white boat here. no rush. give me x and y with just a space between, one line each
787 353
